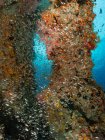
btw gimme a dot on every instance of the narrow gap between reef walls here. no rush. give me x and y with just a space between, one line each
43 66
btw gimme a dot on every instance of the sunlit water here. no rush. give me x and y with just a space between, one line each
43 5
98 55
43 66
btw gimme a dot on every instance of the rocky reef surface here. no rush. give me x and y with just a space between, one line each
74 103
21 116
72 107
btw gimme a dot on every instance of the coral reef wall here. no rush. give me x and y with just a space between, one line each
19 111
74 103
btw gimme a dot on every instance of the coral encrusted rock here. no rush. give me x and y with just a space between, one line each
74 103
21 116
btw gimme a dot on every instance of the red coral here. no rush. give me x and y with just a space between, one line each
89 45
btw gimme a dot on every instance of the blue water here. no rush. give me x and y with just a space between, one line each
43 66
98 55
43 4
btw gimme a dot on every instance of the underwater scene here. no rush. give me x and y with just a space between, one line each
52 69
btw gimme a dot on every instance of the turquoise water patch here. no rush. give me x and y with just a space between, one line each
43 66
98 55
43 4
